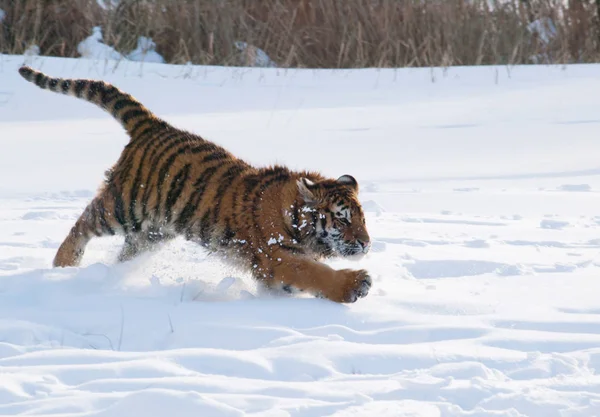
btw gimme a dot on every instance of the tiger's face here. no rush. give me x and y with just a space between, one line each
339 222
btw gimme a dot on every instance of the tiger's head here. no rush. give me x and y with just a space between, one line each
338 221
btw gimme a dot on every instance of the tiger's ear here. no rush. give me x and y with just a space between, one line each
304 187
348 180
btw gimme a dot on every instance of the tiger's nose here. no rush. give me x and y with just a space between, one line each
364 243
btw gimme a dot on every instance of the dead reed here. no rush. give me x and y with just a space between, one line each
317 33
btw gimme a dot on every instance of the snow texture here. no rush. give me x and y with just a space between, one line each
575 187
476 309
253 56
93 47
32 50
145 52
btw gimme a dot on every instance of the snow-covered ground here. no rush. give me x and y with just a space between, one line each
481 187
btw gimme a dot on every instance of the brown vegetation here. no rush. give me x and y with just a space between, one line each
316 33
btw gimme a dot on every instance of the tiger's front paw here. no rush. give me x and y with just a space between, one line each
357 285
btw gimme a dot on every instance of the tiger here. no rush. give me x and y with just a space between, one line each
278 224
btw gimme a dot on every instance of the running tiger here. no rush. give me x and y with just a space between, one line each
167 182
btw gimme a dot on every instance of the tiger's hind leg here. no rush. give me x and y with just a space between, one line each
95 221
141 242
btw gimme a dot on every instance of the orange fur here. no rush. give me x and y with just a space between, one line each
168 182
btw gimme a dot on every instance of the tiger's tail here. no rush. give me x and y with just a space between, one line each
123 107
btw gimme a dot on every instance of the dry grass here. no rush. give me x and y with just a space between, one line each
315 33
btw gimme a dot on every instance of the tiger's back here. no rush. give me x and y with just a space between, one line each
169 182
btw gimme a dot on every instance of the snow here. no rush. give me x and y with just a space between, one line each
476 309
253 56
553 224
145 51
92 47
575 187
32 50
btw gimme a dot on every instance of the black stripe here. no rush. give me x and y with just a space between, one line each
39 77
108 94
119 209
130 114
157 132
250 183
138 125
152 160
228 234
171 139
175 190
185 139
52 84
153 144
146 127
255 267
103 223
79 86
192 204
205 224
125 167
120 104
224 183
65 85
136 224
289 248
314 218
295 232
217 155
156 155
234 208
45 82
204 147
95 88
92 220
165 166
162 173
275 176
150 129
133 192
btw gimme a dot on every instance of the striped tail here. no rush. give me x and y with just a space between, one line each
123 107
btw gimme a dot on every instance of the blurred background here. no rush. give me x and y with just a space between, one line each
307 33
